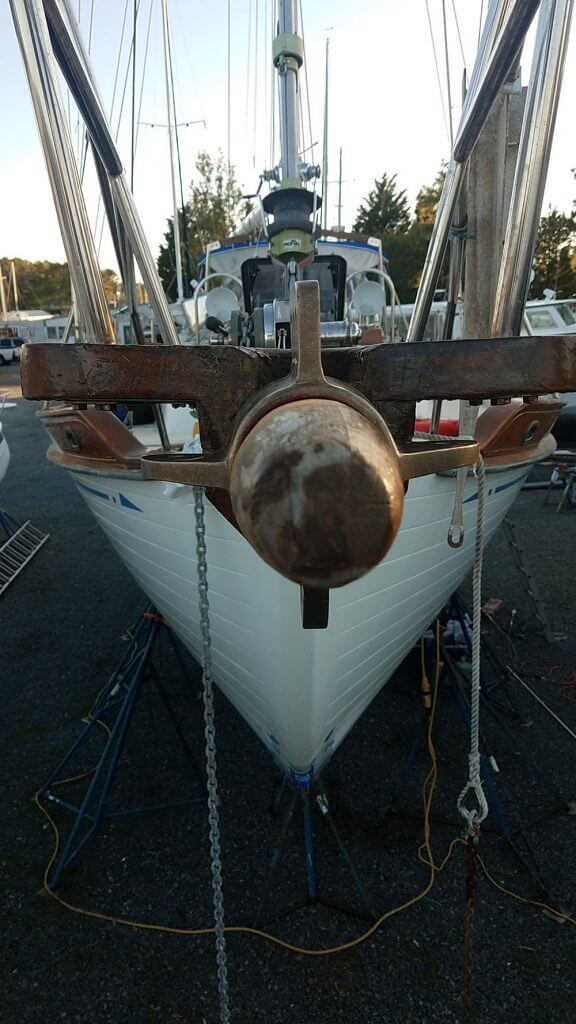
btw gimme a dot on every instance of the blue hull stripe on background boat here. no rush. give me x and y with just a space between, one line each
235 247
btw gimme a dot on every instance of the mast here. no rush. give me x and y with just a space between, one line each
169 105
292 206
288 57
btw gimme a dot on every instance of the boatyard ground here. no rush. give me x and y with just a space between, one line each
62 624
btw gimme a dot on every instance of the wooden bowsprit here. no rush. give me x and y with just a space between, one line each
334 426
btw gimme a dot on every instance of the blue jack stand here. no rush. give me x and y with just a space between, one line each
133 675
310 793
7 523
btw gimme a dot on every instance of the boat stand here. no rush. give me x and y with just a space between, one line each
310 794
134 674
509 824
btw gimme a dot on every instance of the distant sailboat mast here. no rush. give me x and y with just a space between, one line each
3 296
171 129
340 225
13 285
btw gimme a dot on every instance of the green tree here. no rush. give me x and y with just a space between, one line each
428 198
385 209
112 287
555 254
45 285
209 214
41 285
385 213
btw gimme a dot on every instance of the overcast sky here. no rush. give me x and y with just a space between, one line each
385 108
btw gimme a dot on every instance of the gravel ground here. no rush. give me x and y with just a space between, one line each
61 625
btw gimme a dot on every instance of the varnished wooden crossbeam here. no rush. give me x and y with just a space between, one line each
493 368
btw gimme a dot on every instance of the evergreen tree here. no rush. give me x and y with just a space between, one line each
428 198
384 211
554 257
209 214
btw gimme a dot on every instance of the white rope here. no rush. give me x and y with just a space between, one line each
475 815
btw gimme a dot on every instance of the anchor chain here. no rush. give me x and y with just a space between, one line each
210 736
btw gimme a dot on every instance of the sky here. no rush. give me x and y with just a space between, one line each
385 106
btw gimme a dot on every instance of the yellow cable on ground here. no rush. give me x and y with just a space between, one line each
424 853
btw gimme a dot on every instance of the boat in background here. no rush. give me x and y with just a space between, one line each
541 316
327 516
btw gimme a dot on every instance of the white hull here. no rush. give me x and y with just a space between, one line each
300 690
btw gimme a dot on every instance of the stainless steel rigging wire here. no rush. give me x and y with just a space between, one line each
111 114
448 81
438 78
228 89
254 126
143 77
118 123
457 23
311 143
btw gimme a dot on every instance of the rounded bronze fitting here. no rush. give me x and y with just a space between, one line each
317 492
